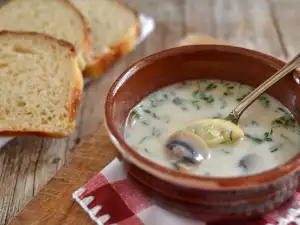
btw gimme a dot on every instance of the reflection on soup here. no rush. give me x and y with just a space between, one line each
271 133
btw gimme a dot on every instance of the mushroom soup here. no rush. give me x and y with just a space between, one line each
271 134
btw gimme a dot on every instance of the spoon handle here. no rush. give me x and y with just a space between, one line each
249 99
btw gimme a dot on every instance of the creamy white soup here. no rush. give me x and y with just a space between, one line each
271 133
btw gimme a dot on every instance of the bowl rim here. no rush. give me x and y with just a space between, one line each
184 179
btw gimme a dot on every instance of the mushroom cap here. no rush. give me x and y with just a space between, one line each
250 163
187 147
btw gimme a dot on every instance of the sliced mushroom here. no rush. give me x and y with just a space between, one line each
187 148
250 163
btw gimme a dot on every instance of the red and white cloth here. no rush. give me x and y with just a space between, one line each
111 198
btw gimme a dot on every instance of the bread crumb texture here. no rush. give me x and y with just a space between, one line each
37 79
108 21
53 17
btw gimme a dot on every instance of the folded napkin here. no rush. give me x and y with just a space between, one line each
111 198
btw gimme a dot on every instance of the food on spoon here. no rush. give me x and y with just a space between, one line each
270 131
214 131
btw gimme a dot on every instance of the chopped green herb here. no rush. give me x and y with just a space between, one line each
211 86
268 136
230 135
254 123
223 103
145 123
155 132
264 101
151 113
228 92
225 151
242 97
281 109
196 103
273 150
156 99
155 116
136 114
209 99
229 88
143 139
255 139
147 111
183 108
203 96
177 101
286 121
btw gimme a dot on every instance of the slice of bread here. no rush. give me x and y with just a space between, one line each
57 18
114 29
40 84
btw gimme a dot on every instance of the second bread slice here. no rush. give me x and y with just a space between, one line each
40 85
114 29
57 18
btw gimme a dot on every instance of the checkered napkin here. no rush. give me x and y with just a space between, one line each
111 198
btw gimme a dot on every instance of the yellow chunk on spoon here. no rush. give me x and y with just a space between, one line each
214 131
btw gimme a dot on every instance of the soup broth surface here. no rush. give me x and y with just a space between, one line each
271 133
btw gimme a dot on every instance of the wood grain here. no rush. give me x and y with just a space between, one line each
271 26
54 204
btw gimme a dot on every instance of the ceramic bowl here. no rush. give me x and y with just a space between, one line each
207 198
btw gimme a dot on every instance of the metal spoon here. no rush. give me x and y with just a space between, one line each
235 114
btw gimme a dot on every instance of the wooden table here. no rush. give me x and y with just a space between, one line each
270 26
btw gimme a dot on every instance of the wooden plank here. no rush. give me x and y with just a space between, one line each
287 19
27 164
247 24
54 204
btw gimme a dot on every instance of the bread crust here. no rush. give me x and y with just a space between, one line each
82 56
45 36
75 95
104 62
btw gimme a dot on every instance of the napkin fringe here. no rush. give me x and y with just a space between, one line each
85 202
292 216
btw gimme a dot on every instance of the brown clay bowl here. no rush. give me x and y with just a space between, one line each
210 199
